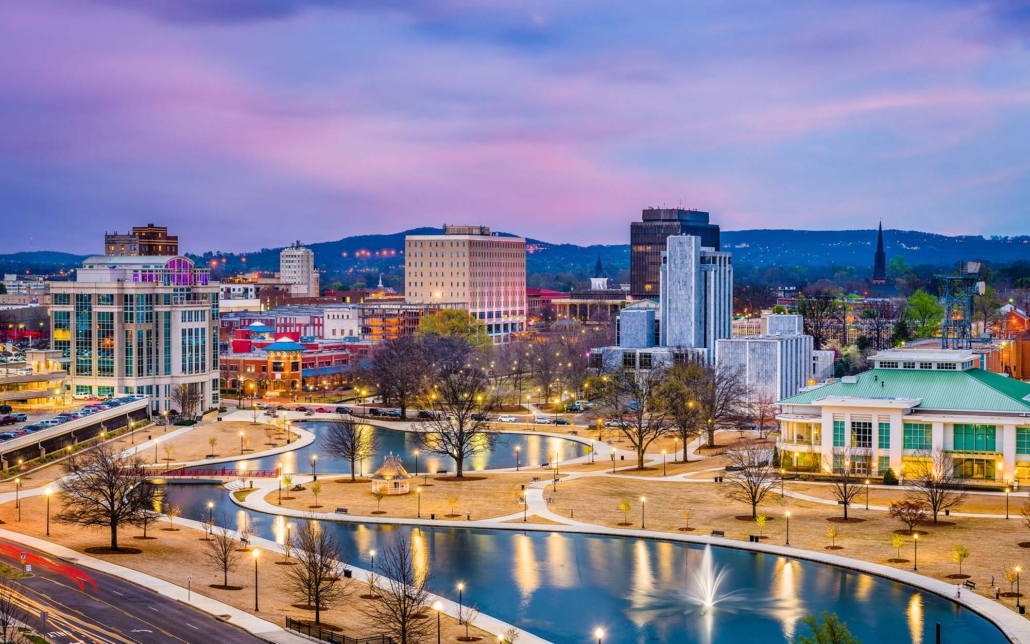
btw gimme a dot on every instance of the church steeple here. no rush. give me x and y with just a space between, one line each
880 260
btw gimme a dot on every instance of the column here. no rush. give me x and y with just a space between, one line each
1008 453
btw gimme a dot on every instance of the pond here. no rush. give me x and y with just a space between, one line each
534 449
563 586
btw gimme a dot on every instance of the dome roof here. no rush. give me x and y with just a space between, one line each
391 469
285 344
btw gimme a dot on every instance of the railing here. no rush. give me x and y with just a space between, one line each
329 636
192 472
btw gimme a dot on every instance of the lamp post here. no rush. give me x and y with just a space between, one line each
280 490
17 496
416 462
788 528
1007 490
613 460
915 558
599 634
643 502
418 491
781 482
211 511
256 552
47 512
867 494
461 588
314 464
664 471
289 526
517 448
525 507
592 450
372 553
437 606
1017 587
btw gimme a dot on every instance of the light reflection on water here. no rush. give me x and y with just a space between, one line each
563 586
533 450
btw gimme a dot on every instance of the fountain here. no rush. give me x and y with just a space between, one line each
706 581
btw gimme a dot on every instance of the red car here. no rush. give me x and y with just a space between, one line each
322 410
8 420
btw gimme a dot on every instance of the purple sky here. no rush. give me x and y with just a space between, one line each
251 123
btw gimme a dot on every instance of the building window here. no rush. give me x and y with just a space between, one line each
889 364
1023 440
62 299
949 366
105 344
861 433
838 433
63 332
908 365
926 365
975 438
645 360
629 360
974 468
83 334
883 464
885 436
917 436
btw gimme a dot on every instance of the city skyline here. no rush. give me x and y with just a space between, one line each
234 124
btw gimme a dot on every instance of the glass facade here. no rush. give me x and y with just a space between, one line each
838 433
1023 440
884 441
166 335
105 344
974 468
883 464
62 332
194 350
917 436
975 438
83 334
861 433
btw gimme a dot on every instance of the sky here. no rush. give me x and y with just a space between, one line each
244 124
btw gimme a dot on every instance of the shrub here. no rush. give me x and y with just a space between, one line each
890 478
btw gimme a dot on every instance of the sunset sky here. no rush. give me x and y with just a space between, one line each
244 124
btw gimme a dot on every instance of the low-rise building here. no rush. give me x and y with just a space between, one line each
909 405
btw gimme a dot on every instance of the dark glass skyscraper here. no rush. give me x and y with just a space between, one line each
647 242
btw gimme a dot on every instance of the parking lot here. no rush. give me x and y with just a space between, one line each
15 423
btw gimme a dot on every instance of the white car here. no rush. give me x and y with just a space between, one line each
543 420
507 418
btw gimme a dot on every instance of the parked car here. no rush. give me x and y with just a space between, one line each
574 407
543 420
393 413
7 420
261 405
20 416
34 427
5 409
322 410
302 408
270 412
6 436
507 418
343 410
426 415
375 411
50 422
614 422
561 421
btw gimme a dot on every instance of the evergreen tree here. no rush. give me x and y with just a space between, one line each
826 629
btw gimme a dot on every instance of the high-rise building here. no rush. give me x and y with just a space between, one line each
880 260
647 243
696 287
149 240
297 266
139 325
472 269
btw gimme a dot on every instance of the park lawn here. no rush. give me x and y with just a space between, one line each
194 445
485 496
883 496
173 555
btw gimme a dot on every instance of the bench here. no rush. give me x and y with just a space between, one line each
971 585
536 478
718 533
341 510
438 472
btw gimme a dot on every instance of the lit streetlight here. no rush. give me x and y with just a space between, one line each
314 464
17 496
915 543
437 606
241 443
867 494
788 528
418 491
599 634
256 552
211 511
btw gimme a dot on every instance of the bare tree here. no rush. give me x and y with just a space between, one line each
459 429
345 439
846 483
632 399
172 511
12 615
222 550
763 412
752 474
677 393
318 579
101 490
187 398
909 512
147 517
400 610
934 482
400 369
721 396
823 310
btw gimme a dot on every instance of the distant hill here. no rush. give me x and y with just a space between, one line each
749 248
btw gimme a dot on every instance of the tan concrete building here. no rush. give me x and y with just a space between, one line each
470 267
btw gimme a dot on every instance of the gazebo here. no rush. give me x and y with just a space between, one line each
391 477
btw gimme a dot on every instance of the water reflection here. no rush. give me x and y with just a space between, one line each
563 586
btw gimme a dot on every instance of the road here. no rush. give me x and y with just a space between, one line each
117 612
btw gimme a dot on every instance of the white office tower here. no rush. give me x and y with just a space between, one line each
297 266
696 295
773 366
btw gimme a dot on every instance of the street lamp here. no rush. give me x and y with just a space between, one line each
314 463
613 460
437 606
280 490
867 494
418 491
372 553
461 588
915 559
664 472
599 634
47 511
525 507
1017 587
416 462
1007 490
788 528
643 501
781 482
211 511
17 496
256 552
517 448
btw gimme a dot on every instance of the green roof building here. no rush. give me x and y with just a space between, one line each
911 406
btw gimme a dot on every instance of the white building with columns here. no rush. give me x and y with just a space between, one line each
910 403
